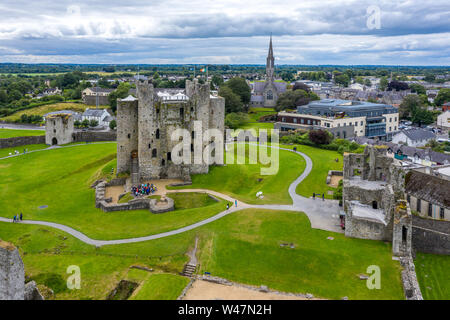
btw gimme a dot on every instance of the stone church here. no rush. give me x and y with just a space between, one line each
145 125
265 93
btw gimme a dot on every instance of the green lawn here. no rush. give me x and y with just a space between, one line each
6 151
60 179
48 252
433 273
244 181
242 247
323 161
11 133
161 287
190 200
245 247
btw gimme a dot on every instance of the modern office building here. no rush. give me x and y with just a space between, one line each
344 118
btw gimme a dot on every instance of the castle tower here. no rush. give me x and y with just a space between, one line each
59 129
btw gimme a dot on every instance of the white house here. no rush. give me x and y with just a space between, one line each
101 115
413 137
443 120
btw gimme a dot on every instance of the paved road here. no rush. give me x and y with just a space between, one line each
322 214
20 126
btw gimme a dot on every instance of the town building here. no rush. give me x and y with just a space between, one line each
145 125
265 93
96 96
102 116
343 118
428 194
443 120
415 137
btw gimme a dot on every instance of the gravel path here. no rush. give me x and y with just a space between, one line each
322 214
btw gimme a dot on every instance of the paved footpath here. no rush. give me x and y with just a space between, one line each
323 215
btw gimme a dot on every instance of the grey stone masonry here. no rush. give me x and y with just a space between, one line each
59 129
145 125
12 273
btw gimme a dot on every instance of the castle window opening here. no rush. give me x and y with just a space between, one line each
404 234
181 113
129 136
157 133
154 153
374 205
430 210
163 162
169 156
149 146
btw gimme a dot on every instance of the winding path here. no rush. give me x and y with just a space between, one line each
322 214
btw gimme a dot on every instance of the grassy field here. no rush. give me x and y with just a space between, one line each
190 200
244 181
242 247
79 107
323 161
47 253
433 275
161 287
11 133
61 178
245 247
6 151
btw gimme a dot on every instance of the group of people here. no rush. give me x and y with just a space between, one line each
144 189
18 218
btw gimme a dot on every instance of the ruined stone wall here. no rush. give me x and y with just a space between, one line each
12 274
21 141
367 229
59 127
430 236
94 136
127 133
92 100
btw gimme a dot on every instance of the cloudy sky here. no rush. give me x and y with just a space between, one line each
393 32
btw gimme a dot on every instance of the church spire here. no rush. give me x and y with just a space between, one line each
270 65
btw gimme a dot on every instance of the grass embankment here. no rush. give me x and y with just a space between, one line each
11 133
244 246
161 287
433 275
244 181
41 110
60 179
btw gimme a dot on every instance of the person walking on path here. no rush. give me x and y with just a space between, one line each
228 206
314 196
21 216
323 196
235 203
14 219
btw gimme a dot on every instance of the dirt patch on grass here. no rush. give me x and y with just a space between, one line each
335 181
205 290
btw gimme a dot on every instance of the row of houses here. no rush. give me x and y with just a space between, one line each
102 116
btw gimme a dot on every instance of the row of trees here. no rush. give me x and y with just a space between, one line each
85 123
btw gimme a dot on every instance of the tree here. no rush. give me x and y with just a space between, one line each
320 136
429 77
367 82
93 123
422 116
442 97
383 83
301 86
409 103
77 123
236 120
417 88
359 80
292 99
342 79
233 102
3 96
85 123
155 75
113 125
120 93
397 86
217 80
287 76
240 87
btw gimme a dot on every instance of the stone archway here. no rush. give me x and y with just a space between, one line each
54 141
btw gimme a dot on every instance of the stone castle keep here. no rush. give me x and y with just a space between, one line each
374 199
145 125
59 129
